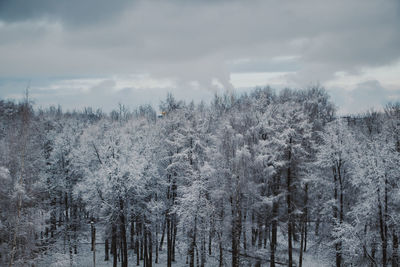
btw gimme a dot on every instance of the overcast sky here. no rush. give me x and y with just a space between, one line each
100 53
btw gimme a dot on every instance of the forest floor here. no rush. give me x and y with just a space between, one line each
58 256
85 259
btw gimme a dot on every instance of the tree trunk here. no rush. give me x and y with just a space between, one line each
260 232
93 228
373 251
192 243
210 235
173 224
137 246
221 253
220 235
305 217
336 215
301 244
244 231
266 232
106 255
290 245
156 242
197 257
235 245
141 240
395 248
382 228
274 222
169 242
150 240
132 242
124 248
289 209
203 251
385 220
114 244
175 229
163 234
75 228
146 255
317 227
236 228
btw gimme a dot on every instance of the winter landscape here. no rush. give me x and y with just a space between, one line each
199 133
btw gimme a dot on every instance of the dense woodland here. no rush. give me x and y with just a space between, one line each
260 179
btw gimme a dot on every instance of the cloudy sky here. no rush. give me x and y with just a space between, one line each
100 53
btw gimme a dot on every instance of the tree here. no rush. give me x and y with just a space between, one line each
336 159
113 167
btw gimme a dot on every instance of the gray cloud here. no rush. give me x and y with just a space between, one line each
105 94
196 40
159 32
366 95
71 12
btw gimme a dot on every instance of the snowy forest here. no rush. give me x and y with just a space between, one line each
265 178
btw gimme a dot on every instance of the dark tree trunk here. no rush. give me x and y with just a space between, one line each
290 245
382 228
235 247
209 242
141 240
169 242
197 257
124 248
266 232
93 235
193 236
192 245
305 217
373 251
163 234
60 212
150 240
289 209
236 228
317 226
260 239
301 244
68 227
156 242
253 230
385 220
203 251
244 231
75 228
260 232
132 241
137 246
66 207
336 214
146 255
395 248
53 218
106 255
220 235
114 245
175 229
274 222
221 254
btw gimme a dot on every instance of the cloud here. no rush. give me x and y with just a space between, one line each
175 37
70 12
198 42
366 95
103 93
